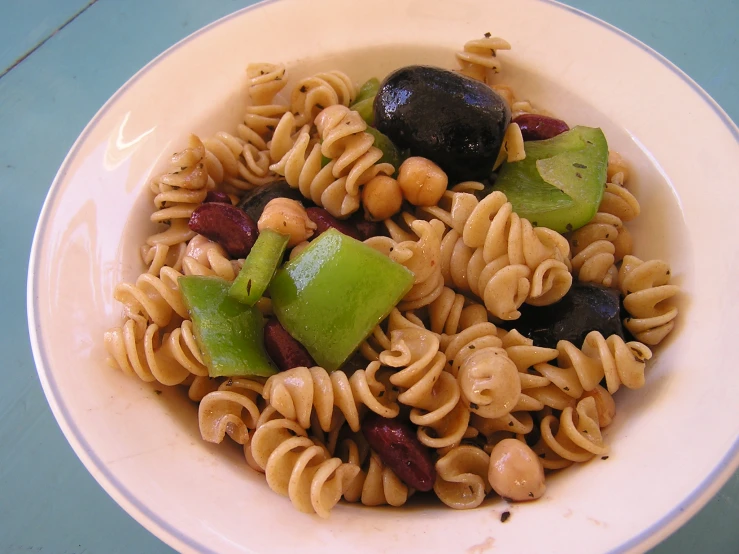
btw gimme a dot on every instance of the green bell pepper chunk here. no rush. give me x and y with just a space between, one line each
334 294
259 267
390 153
230 334
368 89
366 108
560 183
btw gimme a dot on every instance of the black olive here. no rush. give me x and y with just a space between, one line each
255 200
455 121
585 308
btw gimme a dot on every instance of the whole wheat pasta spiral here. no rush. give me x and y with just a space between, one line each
462 477
301 168
169 359
479 59
178 192
298 392
422 256
432 393
313 94
205 257
647 294
374 484
232 410
298 468
344 140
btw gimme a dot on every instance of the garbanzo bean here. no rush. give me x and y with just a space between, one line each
515 471
422 181
381 198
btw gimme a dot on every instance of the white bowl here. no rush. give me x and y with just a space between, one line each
674 442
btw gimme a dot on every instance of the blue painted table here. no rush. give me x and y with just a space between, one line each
60 60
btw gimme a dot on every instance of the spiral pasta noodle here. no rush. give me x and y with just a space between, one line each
605 240
478 58
488 378
205 257
432 393
344 140
157 256
233 161
301 168
298 468
312 94
169 359
573 437
422 257
298 392
374 484
232 410
178 192
500 257
452 312
462 477
580 369
152 298
647 292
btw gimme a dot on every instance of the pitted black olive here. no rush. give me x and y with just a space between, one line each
585 308
456 122
254 201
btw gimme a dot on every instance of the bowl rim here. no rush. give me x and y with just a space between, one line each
174 537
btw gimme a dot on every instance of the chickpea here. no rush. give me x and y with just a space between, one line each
287 217
381 198
604 404
515 471
422 181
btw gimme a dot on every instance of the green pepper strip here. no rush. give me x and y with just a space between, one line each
230 334
259 267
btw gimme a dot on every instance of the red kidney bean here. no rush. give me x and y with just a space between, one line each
367 229
217 196
325 221
284 350
539 127
398 447
227 225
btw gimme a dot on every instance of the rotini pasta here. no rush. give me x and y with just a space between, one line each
313 94
344 140
296 393
376 485
205 257
647 292
301 168
478 59
422 257
462 477
232 410
169 360
432 393
298 468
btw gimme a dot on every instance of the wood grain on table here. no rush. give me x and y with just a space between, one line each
60 60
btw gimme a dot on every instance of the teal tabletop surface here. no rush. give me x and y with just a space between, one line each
60 60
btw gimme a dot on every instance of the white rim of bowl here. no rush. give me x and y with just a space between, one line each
648 538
